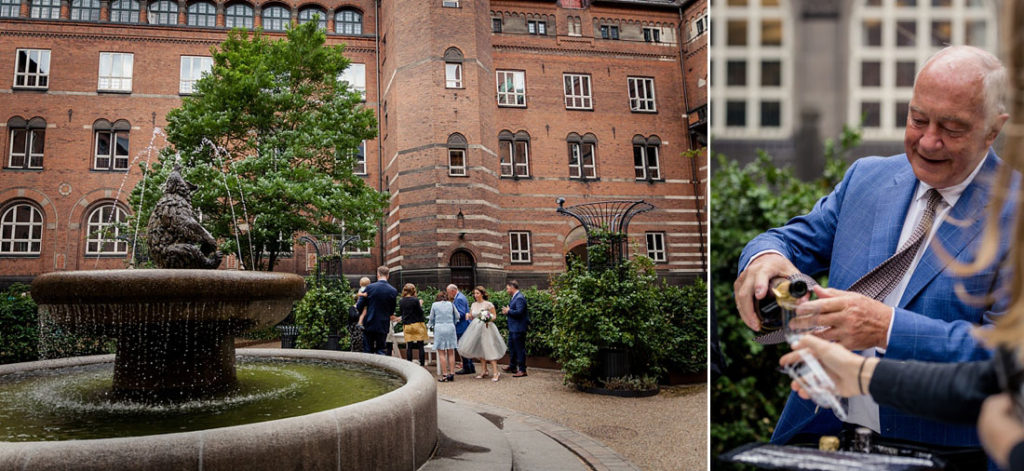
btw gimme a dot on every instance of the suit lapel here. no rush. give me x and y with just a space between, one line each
956 235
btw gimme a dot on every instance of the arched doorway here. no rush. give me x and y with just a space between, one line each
577 252
463 270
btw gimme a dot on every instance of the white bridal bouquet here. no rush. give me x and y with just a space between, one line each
485 316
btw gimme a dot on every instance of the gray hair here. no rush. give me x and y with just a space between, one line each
994 78
452 287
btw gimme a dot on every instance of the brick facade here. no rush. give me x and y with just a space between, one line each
433 216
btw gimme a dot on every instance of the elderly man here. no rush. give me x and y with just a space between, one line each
462 307
901 208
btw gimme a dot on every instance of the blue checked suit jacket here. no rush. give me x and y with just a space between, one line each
857 227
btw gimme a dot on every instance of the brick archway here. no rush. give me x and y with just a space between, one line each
463 269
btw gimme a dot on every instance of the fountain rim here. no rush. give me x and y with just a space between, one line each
161 284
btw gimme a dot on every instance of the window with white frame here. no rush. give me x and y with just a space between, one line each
652 34
453 68
202 14
511 87
359 168
124 11
645 158
356 247
890 40
537 27
163 12
307 14
514 150
32 69
115 71
192 69
577 92
44 9
110 149
276 18
238 15
699 25
457 147
348 22
21 230
609 32
27 140
575 26
582 162
641 94
755 38
10 8
355 76
656 247
103 229
85 10
519 246
450 3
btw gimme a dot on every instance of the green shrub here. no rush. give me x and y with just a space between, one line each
687 307
19 326
321 312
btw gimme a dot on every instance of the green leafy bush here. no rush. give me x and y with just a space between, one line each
687 307
322 312
19 327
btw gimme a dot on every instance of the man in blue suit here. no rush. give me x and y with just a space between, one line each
518 321
380 306
462 307
955 114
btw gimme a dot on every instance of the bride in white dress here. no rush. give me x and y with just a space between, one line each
482 339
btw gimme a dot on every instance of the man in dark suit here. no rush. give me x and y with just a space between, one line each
380 306
518 321
465 318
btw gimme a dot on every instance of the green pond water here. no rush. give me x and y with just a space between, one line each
74 403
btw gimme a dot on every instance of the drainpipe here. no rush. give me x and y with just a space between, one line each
380 134
693 160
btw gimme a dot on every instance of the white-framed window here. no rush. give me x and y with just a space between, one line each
641 94
27 141
10 8
359 168
652 34
21 230
453 75
103 230
45 9
496 24
450 3
519 246
32 69
163 12
238 15
699 25
457 147
645 158
355 76
348 22
306 15
85 10
582 160
575 26
656 247
124 11
577 92
609 31
514 150
758 35
276 18
192 69
202 14
890 41
115 71
110 149
537 27
511 88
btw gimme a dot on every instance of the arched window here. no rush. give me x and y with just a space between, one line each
514 150
645 157
582 160
103 230
26 142
85 10
163 12
276 18
10 8
348 21
463 270
453 68
45 9
306 15
238 15
124 11
111 145
202 14
21 230
888 44
457 147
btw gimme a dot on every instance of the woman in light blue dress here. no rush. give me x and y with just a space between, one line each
442 320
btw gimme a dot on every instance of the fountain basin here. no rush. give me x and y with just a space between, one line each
180 323
397 430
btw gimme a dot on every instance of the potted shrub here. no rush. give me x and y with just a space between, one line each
319 315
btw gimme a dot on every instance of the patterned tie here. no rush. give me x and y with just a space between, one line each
880 281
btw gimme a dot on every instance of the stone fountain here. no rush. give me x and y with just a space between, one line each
175 328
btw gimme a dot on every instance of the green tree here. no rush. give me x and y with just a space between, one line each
270 137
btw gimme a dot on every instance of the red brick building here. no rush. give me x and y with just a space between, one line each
488 112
